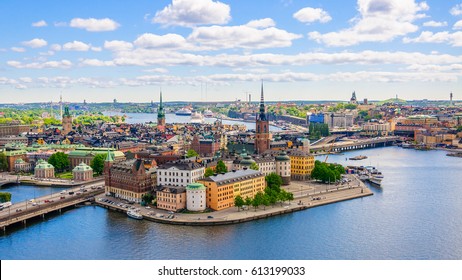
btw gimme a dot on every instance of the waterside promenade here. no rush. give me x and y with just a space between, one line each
306 195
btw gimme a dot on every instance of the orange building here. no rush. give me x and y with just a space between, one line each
223 188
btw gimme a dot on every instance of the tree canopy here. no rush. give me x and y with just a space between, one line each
254 166
208 172
191 153
327 172
60 161
221 167
5 197
97 163
3 162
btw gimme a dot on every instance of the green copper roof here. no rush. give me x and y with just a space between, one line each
82 167
196 187
109 156
41 164
66 112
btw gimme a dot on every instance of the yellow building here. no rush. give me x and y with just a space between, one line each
223 188
301 164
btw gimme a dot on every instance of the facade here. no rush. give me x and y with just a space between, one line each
283 167
171 198
223 188
12 156
67 121
13 139
127 179
301 164
205 146
22 166
196 197
161 115
376 129
44 170
262 133
7 129
82 172
85 155
179 173
342 120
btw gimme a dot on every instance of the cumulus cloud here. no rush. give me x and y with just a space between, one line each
96 62
171 41
309 15
76 46
379 21
117 45
433 23
18 49
456 10
41 23
55 47
261 23
157 70
40 65
453 39
457 25
35 43
94 25
193 12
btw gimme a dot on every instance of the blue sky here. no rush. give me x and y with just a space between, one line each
198 50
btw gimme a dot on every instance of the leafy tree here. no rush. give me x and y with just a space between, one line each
327 172
248 201
265 200
254 166
5 197
208 172
238 202
191 153
147 198
60 161
97 163
350 106
3 162
273 181
257 200
221 167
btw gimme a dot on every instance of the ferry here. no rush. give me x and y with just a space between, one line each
183 112
208 114
134 214
196 117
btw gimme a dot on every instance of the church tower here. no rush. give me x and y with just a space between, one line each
161 115
67 121
108 162
262 135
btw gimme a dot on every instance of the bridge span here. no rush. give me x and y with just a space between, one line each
355 144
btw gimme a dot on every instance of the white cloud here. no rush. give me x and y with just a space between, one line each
96 49
242 36
193 12
18 49
170 41
456 10
457 25
309 15
157 70
379 21
94 25
117 45
26 79
76 46
453 39
261 23
433 23
40 65
35 43
55 47
41 23
96 62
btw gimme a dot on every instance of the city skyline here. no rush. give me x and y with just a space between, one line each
220 50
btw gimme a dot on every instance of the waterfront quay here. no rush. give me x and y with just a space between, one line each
307 194
354 144
55 202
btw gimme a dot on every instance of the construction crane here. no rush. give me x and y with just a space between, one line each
328 151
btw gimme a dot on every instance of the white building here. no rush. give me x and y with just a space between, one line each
179 173
283 167
196 197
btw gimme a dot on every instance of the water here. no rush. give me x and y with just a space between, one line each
415 215
133 118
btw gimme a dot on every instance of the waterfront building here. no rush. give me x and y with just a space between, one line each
283 167
161 115
374 129
171 198
67 121
179 173
86 154
44 170
82 172
13 128
223 188
128 179
22 166
301 164
262 133
196 197
13 155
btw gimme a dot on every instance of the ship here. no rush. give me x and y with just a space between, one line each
208 114
134 214
358 157
196 117
183 112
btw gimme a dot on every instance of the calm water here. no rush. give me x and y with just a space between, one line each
416 215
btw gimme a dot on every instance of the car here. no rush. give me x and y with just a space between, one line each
148 207
62 192
46 201
171 212
209 217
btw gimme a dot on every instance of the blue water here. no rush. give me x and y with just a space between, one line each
415 215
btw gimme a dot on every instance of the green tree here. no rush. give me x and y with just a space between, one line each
97 163
248 201
208 172
5 197
60 161
254 166
238 202
327 172
257 200
191 153
147 198
3 162
221 167
265 200
273 181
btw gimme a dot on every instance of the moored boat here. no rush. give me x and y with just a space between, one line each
183 112
361 157
134 214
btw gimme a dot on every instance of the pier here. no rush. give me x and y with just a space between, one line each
39 207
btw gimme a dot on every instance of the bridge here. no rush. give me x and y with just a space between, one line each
355 144
57 202
8 181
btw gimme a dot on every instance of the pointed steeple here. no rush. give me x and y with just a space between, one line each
262 115
109 157
160 110
66 112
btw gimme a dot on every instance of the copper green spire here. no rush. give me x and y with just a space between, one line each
160 110
109 156
66 112
262 115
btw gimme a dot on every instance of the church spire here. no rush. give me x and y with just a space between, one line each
160 110
262 115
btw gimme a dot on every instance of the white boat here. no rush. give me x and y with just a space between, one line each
196 117
134 214
374 180
208 114
183 112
